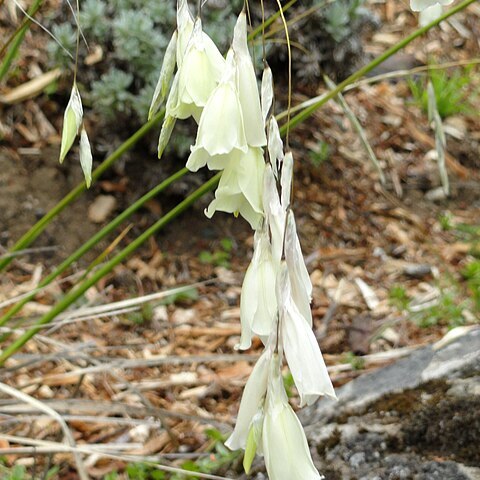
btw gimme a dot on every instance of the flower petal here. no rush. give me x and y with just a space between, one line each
252 400
86 158
247 86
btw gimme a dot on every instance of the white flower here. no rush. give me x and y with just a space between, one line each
221 128
240 187
300 346
430 14
419 5
287 456
198 75
247 86
258 306
297 271
72 120
252 400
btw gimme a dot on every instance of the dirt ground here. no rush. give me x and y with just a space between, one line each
152 380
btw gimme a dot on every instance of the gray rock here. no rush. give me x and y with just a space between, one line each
417 419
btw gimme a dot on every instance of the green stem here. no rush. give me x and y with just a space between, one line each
17 39
80 289
91 243
38 228
303 115
270 20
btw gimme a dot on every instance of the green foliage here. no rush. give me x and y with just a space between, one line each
451 91
339 17
448 310
143 471
398 297
145 315
219 257
184 296
66 38
320 155
19 472
110 94
471 273
357 363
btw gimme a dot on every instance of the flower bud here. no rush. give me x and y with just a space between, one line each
86 158
72 120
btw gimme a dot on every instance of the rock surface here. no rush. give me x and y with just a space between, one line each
417 419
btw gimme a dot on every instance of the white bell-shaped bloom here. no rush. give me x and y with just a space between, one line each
430 14
419 5
247 86
252 401
240 187
258 306
198 75
285 447
221 128
299 278
300 346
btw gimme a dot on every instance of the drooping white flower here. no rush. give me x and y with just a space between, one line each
285 447
300 346
301 286
252 400
72 120
198 74
419 5
258 306
247 86
430 14
221 128
240 187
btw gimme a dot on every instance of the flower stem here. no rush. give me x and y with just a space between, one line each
38 228
304 114
91 243
80 289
